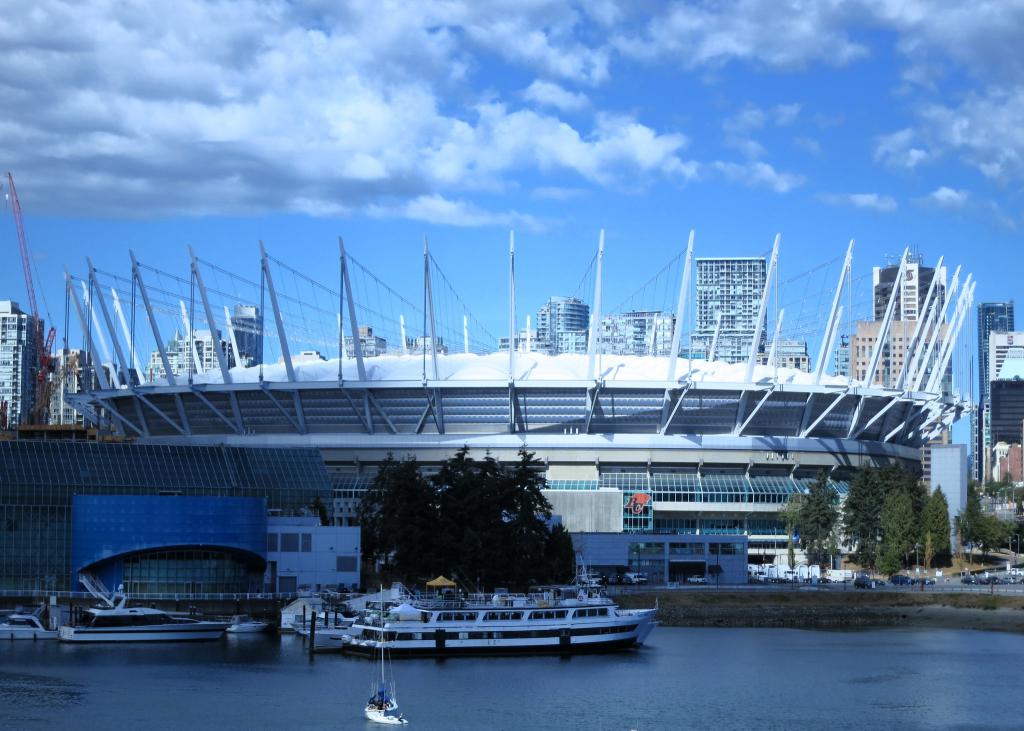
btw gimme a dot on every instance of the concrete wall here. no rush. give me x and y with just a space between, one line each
587 511
949 470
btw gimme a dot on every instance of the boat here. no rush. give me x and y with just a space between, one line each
383 704
114 621
559 620
25 626
243 624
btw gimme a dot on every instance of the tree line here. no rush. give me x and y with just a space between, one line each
481 522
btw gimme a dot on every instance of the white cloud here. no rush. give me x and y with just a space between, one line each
870 201
808 144
112 109
553 95
758 174
764 32
786 114
436 209
899 151
949 197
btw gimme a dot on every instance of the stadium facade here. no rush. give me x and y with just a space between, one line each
632 446
629 444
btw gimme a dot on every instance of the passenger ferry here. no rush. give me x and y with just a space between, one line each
559 620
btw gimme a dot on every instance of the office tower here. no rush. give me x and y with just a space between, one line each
992 317
247 322
731 287
913 291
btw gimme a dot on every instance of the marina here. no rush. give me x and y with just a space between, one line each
762 678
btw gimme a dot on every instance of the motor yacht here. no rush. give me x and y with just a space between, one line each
25 626
243 624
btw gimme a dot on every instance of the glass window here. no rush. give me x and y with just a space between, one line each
289 542
307 542
271 542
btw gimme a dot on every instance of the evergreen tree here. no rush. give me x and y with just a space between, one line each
971 519
862 516
899 529
935 527
816 518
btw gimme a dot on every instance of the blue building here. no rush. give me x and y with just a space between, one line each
170 544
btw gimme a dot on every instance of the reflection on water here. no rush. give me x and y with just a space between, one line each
684 679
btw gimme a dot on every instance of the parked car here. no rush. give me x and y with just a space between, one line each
901 580
969 579
863 581
696 580
923 581
631 577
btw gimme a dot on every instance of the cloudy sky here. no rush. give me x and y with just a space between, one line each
897 123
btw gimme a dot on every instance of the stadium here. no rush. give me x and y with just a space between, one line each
662 445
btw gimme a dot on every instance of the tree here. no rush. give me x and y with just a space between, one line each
790 515
970 521
862 516
935 527
899 529
487 523
816 518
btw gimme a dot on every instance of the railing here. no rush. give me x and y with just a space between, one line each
44 593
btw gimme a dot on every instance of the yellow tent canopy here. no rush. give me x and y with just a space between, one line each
441 583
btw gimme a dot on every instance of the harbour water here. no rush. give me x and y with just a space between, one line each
684 679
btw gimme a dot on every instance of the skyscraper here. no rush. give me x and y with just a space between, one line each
562 326
18 360
913 291
247 322
731 287
992 317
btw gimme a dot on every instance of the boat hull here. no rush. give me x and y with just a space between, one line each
27 633
198 632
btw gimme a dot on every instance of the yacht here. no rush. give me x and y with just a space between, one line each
243 624
25 626
121 623
557 620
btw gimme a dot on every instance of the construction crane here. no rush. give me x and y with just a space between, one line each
44 348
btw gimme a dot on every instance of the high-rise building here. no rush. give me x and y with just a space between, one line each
526 341
910 299
841 365
371 345
992 317
70 371
1006 405
247 322
732 288
562 326
890 364
788 354
18 360
186 357
637 333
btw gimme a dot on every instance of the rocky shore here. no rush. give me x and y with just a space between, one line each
833 609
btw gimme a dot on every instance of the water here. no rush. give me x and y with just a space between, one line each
684 679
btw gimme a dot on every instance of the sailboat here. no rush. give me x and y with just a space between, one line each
383 704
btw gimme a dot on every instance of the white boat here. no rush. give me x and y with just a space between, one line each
114 621
25 626
243 624
383 704
558 620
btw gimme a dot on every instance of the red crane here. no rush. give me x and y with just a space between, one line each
44 362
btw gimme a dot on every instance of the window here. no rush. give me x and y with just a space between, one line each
289 542
345 563
307 542
271 542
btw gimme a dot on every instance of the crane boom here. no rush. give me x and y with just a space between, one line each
44 348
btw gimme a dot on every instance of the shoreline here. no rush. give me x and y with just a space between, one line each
832 610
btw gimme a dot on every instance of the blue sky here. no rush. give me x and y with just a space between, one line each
893 123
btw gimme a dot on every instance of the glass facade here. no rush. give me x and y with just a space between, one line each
38 480
190 572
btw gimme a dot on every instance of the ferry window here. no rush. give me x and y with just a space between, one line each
560 614
307 542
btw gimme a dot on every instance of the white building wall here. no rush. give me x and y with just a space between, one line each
313 555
